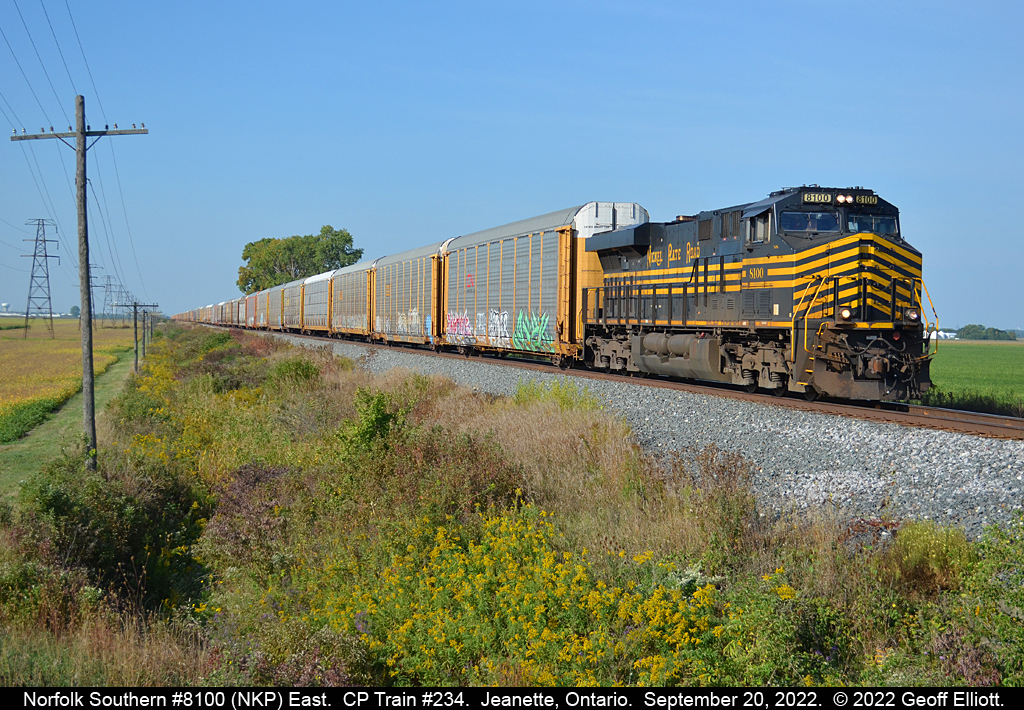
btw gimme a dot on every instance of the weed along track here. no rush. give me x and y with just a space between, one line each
299 518
866 463
974 423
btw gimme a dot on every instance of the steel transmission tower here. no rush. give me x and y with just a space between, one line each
39 283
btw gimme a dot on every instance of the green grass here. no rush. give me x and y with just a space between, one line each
562 392
11 326
21 459
985 376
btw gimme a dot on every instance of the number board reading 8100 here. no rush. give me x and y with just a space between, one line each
818 197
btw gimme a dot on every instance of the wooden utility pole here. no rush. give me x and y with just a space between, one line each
135 305
80 134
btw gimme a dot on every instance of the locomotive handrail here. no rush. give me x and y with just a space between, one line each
927 328
810 306
796 314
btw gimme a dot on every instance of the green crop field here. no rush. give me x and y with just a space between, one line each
979 375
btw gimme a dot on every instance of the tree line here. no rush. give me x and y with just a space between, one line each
271 262
980 332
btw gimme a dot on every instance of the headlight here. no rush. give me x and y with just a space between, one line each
912 315
846 314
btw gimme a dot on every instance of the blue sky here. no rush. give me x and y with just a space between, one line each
408 123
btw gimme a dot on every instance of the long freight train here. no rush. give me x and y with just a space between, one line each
812 290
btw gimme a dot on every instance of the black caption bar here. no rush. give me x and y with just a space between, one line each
485 698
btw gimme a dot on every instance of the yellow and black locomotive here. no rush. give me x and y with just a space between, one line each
812 290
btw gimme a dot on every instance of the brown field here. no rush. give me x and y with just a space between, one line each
41 367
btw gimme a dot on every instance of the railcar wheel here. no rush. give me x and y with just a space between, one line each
780 390
750 387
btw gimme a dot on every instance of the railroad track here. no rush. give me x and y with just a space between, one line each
977 424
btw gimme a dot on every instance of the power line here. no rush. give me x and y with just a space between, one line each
115 261
24 271
58 46
82 50
111 239
14 226
12 112
39 57
71 192
2 34
51 208
48 207
131 240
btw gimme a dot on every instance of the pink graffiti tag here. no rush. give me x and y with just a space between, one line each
458 324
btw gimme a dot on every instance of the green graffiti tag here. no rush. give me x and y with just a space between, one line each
531 333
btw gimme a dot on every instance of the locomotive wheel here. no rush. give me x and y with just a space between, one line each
810 394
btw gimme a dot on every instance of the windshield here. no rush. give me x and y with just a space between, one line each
874 223
809 222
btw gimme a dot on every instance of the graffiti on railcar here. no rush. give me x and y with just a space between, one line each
350 322
458 328
497 329
409 323
531 333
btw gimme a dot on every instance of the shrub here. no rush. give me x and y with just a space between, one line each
930 558
377 419
296 372
130 529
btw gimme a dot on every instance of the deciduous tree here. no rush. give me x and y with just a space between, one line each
271 262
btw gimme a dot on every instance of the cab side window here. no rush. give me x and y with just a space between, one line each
759 228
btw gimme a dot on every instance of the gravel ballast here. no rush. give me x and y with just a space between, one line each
804 459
